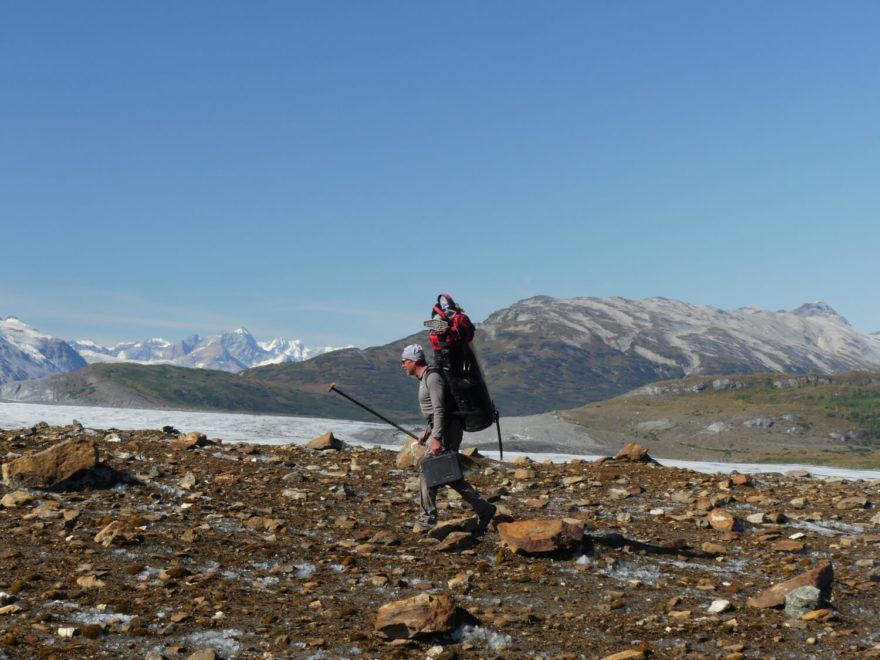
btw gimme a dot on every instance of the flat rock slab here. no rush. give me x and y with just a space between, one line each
425 614
456 541
820 577
52 466
537 536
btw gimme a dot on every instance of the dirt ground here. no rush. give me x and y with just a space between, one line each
251 551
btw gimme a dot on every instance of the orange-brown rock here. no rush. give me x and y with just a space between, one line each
53 465
189 441
425 614
633 452
118 532
721 520
535 536
326 441
788 545
820 577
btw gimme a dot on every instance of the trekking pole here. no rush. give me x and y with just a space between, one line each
498 426
333 388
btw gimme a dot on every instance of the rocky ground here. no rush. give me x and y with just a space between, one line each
179 547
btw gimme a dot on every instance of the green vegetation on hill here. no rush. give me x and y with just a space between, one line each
827 419
198 389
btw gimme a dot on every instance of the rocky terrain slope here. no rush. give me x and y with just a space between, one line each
156 544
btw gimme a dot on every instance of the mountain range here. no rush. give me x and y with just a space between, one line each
26 353
539 354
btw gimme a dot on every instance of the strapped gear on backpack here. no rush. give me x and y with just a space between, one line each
451 333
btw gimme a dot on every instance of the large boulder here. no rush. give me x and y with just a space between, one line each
190 441
539 536
820 577
51 466
325 442
633 452
410 455
425 614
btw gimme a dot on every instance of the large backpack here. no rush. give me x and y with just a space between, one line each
451 332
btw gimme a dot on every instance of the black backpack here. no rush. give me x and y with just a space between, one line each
464 380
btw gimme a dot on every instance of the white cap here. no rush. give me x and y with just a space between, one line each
413 352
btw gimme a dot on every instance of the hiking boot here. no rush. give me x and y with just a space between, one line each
485 519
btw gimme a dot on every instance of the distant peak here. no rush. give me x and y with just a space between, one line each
241 331
816 308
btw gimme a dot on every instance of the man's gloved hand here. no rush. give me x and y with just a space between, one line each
436 446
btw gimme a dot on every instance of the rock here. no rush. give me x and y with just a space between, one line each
536 536
759 423
756 518
741 479
16 498
718 606
460 583
203 654
325 442
797 474
410 455
721 520
188 481
788 545
848 503
717 427
189 441
118 532
422 615
630 654
802 600
524 473
446 527
682 497
52 466
713 548
385 537
633 452
818 615
724 384
820 577
456 541
90 582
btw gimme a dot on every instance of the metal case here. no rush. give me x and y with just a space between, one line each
441 469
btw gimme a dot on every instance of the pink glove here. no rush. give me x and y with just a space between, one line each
436 446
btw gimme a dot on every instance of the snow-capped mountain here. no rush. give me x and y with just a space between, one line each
229 351
26 353
695 339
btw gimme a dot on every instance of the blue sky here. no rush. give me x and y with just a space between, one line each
322 170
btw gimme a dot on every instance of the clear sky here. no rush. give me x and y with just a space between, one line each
322 170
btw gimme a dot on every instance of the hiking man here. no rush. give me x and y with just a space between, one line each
443 432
